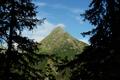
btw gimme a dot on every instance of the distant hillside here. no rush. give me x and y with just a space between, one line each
62 44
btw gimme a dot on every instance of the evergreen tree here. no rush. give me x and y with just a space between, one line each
18 58
101 60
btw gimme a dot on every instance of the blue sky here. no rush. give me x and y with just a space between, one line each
64 13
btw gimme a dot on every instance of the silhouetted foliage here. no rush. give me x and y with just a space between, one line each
101 60
18 57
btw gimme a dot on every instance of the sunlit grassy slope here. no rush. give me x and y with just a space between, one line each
64 47
62 44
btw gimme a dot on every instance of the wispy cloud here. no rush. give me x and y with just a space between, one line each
77 11
42 31
71 9
60 25
60 6
40 4
43 14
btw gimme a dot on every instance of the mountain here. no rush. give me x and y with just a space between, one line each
62 44
61 48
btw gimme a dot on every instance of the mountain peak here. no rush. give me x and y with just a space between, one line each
58 29
61 43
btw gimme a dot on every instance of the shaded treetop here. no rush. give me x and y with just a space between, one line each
101 60
19 56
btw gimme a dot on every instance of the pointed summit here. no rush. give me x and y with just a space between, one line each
58 30
62 44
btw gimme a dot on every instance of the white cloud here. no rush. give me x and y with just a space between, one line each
41 31
60 25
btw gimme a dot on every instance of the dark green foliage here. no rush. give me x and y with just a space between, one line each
101 60
18 58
